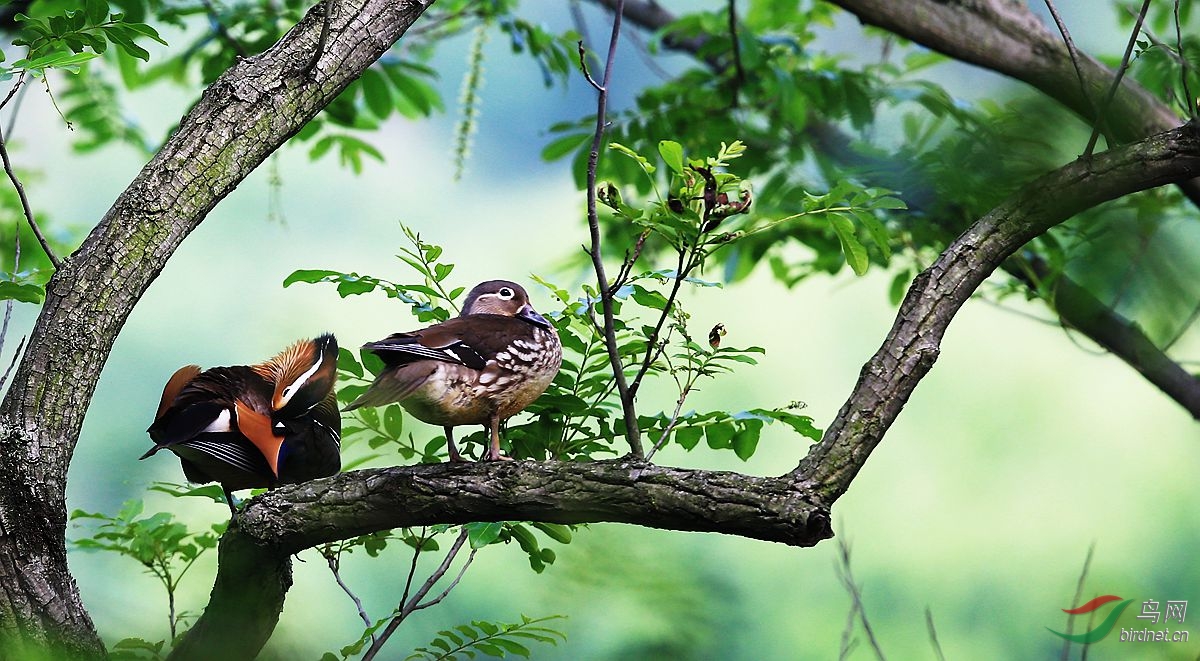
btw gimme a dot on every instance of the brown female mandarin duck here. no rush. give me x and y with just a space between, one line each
254 426
480 368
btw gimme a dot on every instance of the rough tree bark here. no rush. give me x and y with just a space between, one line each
246 114
242 118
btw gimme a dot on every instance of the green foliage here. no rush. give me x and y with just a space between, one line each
495 639
165 547
68 38
25 287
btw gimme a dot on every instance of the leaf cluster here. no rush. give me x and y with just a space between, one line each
67 38
494 639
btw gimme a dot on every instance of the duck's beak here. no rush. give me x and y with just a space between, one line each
529 314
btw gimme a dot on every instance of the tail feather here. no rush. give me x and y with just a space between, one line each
394 385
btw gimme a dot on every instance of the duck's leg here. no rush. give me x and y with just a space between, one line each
450 447
232 508
493 453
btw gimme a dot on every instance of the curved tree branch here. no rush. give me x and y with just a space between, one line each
254 555
298 517
1007 37
244 116
912 346
793 509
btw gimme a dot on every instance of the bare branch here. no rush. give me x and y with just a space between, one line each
1116 83
740 73
856 604
410 605
629 411
1087 563
333 559
25 208
1098 117
1189 103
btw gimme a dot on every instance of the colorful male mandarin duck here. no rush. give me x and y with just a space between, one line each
480 368
254 426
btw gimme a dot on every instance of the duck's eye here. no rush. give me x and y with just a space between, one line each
505 293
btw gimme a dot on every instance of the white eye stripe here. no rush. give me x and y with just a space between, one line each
285 395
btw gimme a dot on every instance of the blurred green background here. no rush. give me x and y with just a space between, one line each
1023 446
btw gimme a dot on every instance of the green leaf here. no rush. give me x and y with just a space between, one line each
641 160
127 44
672 154
96 10
688 437
512 647
649 298
376 93
393 421
856 254
346 362
421 94
25 293
310 275
719 435
878 233
746 440
564 145
555 531
481 534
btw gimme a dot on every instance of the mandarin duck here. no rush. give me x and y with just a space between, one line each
254 426
481 368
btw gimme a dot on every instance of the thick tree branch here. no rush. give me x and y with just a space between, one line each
294 518
245 115
247 618
1007 37
912 346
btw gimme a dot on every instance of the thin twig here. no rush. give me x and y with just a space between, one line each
1177 56
737 53
412 568
1188 101
222 31
8 305
438 599
13 362
8 97
1087 562
1074 54
1112 90
37 232
856 596
584 68
632 433
409 605
849 642
334 562
652 351
579 21
933 637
